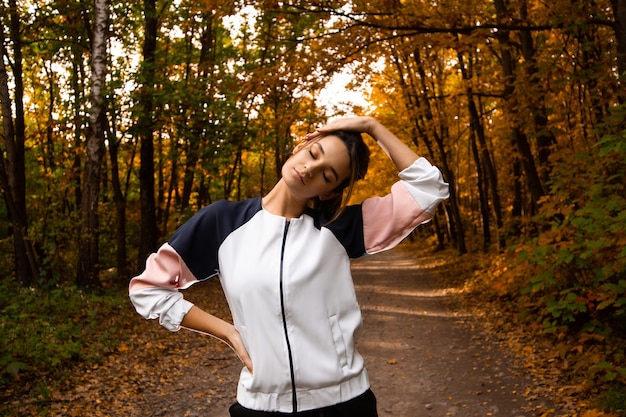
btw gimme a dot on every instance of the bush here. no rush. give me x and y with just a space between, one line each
572 275
581 255
613 400
42 331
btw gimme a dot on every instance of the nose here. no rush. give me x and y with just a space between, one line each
308 170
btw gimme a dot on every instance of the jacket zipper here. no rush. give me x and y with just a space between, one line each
294 398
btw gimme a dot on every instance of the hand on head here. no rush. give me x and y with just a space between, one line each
361 124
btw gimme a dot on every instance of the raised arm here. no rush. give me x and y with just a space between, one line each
401 155
412 201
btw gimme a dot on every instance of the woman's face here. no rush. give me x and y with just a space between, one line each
317 168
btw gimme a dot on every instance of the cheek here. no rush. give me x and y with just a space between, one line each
328 188
287 166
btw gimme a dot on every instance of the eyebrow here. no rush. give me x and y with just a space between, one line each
321 148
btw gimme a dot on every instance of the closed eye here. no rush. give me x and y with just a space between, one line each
315 155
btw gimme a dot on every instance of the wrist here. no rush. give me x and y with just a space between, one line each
370 126
231 334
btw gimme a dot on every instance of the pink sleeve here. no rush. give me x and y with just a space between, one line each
154 292
164 269
389 219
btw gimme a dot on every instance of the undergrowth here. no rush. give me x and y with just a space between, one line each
564 280
588 366
45 331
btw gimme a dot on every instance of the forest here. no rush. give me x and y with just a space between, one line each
121 119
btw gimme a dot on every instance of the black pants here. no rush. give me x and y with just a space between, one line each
362 406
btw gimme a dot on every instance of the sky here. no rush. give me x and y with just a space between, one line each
337 98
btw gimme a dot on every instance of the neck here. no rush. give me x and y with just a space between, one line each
281 202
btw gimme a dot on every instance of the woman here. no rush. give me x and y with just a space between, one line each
283 262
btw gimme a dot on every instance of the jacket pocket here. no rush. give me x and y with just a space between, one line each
339 341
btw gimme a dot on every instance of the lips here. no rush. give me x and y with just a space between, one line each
299 176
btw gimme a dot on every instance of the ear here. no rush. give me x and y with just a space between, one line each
329 196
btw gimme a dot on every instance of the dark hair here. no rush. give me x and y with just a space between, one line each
359 155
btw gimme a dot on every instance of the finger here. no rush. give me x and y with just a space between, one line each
248 364
323 129
312 135
348 123
328 127
244 356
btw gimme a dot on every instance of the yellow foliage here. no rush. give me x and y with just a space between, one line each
596 413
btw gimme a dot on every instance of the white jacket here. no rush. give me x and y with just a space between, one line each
288 285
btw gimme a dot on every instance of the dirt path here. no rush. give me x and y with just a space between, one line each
424 357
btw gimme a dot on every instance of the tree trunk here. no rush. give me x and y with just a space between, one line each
160 179
619 14
483 160
88 272
421 116
520 140
148 226
191 162
77 149
483 195
545 139
13 170
426 113
197 139
172 187
120 210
